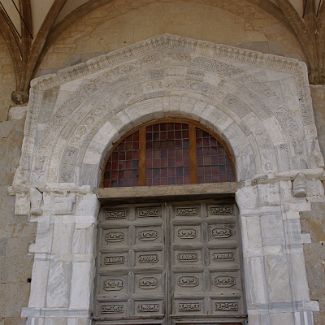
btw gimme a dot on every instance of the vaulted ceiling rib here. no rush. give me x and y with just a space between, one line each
29 26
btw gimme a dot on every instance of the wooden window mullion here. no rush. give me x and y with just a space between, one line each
142 156
192 153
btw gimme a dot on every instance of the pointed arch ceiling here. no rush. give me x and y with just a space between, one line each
29 27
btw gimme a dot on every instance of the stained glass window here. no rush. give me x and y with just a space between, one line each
212 161
168 153
123 163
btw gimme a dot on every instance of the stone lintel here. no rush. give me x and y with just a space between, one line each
167 192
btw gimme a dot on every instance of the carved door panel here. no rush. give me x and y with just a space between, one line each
131 274
168 263
205 262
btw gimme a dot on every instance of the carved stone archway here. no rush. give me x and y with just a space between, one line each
259 103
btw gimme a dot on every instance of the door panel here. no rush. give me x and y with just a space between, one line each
130 281
205 267
168 263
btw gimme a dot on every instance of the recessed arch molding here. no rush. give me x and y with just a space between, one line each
260 104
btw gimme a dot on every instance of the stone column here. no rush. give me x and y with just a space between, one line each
64 253
275 276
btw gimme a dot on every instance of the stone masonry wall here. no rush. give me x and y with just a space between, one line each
313 222
15 232
113 26
7 79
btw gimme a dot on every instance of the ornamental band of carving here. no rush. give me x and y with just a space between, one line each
148 235
224 281
114 236
187 257
112 309
182 212
148 283
221 232
189 307
148 308
113 260
115 214
148 212
226 306
148 258
187 233
221 210
223 256
188 281
113 285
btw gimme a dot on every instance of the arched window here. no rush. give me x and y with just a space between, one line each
167 153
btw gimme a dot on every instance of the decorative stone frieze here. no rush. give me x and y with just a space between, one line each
260 104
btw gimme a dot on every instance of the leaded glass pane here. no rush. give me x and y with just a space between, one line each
213 163
167 154
123 163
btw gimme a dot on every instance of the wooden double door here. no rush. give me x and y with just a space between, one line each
169 263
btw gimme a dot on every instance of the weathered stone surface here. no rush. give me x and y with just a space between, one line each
3 246
274 136
313 222
17 112
14 321
7 81
6 128
10 147
58 284
16 296
318 97
107 194
16 233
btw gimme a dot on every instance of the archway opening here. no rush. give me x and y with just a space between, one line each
169 259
